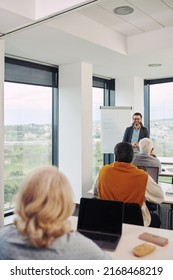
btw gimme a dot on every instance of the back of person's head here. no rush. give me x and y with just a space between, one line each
146 145
124 152
43 204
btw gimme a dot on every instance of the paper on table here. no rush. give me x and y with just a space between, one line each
169 191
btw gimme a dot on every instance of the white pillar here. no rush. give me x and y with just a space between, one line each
75 126
1 133
130 92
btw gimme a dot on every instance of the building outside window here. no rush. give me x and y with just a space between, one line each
103 95
30 122
97 101
158 98
161 118
28 133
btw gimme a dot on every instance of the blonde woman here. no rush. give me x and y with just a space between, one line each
41 230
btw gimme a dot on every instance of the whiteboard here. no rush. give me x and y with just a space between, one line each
114 120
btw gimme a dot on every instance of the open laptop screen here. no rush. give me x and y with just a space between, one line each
100 216
152 171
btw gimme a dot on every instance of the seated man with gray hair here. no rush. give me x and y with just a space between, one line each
146 156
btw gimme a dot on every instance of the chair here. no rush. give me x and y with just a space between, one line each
133 214
169 219
153 171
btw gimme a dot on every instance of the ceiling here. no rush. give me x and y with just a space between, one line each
90 31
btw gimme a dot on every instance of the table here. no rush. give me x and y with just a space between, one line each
168 199
129 240
91 192
167 171
167 167
166 160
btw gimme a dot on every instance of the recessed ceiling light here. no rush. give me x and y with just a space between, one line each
123 10
155 65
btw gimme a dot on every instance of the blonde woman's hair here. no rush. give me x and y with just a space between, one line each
43 204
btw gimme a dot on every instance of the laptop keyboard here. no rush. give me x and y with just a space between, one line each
108 242
107 245
98 236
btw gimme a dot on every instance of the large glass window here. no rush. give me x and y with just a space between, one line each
30 121
97 101
161 118
103 95
28 133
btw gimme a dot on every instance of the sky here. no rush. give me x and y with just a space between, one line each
161 101
97 102
25 104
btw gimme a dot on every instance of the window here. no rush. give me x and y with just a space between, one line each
28 133
103 95
158 95
30 122
97 101
160 120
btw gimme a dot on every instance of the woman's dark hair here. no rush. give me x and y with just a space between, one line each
124 152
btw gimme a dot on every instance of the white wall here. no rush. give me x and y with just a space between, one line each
1 133
130 92
75 125
75 120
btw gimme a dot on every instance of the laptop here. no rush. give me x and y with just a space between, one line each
152 171
101 221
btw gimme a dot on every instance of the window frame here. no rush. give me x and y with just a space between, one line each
49 79
147 84
108 85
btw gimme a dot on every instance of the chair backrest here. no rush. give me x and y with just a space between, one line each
153 171
133 214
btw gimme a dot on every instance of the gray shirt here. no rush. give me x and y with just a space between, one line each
71 246
142 159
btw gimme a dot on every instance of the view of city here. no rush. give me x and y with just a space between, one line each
26 147
29 146
97 155
27 133
161 132
28 141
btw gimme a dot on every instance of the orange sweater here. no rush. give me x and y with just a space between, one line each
123 182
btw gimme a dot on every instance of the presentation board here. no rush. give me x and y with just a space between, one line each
114 120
